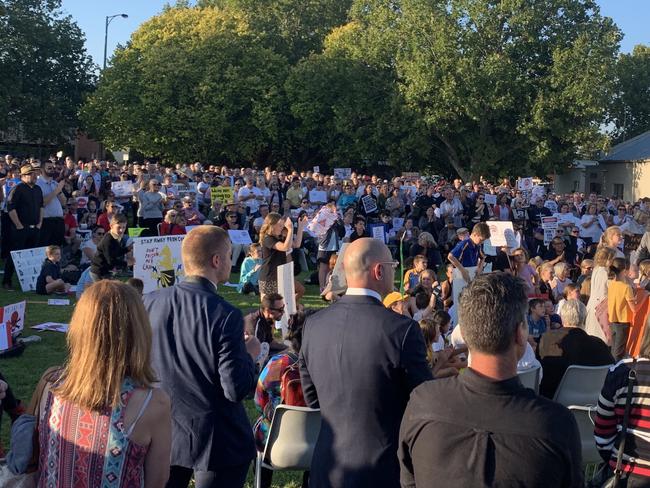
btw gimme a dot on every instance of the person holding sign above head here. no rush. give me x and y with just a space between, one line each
274 250
25 208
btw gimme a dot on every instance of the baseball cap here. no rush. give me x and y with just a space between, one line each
393 297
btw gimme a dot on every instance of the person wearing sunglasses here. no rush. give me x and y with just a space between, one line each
261 322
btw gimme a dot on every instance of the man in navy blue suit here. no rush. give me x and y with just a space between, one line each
205 365
359 362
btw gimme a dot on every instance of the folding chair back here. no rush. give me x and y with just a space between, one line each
292 437
581 385
530 378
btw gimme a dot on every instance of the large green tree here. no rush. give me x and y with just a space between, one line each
631 107
508 86
45 71
347 111
191 83
294 28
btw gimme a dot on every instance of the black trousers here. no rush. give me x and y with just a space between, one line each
25 238
7 226
231 477
52 232
151 225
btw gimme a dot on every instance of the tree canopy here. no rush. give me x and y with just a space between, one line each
508 87
45 71
631 106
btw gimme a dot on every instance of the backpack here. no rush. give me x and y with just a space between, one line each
290 386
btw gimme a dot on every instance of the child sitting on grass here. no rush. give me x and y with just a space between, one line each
250 270
50 281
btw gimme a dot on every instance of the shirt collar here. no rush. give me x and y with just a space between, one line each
202 280
363 292
481 384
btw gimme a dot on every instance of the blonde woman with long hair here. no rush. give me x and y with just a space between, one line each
612 238
102 422
597 324
274 250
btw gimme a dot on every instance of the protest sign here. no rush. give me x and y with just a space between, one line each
342 173
490 199
82 202
502 234
28 263
322 221
317 196
84 235
186 190
58 302
549 224
12 322
240 237
317 169
52 326
158 261
337 281
398 223
286 288
221 194
525 198
410 174
136 231
519 214
369 204
379 233
122 188
525 184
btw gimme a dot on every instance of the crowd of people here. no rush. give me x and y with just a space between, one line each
466 314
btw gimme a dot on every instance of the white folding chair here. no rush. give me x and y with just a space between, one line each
585 418
530 378
291 440
581 385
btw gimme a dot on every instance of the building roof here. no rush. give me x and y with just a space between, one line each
635 149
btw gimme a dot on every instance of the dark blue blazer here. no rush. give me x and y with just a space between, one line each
359 363
200 358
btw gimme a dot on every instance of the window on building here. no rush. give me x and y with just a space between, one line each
618 190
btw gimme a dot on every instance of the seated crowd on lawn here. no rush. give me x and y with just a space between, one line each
473 316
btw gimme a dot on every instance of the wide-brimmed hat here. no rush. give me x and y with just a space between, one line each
27 169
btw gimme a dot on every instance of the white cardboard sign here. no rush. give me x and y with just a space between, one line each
28 264
158 261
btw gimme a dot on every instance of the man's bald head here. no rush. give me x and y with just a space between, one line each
360 264
201 245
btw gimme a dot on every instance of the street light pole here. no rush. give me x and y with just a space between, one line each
109 19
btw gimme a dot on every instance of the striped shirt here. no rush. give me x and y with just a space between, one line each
609 417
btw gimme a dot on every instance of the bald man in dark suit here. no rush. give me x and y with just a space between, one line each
359 362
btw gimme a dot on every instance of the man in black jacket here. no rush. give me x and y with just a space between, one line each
25 208
483 428
359 363
206 367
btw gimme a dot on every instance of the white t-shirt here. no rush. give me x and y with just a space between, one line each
594 231
253 204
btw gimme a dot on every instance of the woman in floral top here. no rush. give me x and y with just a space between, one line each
268 392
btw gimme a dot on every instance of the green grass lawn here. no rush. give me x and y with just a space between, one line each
23 372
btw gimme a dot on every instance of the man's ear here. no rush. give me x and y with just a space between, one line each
521 337
216 260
